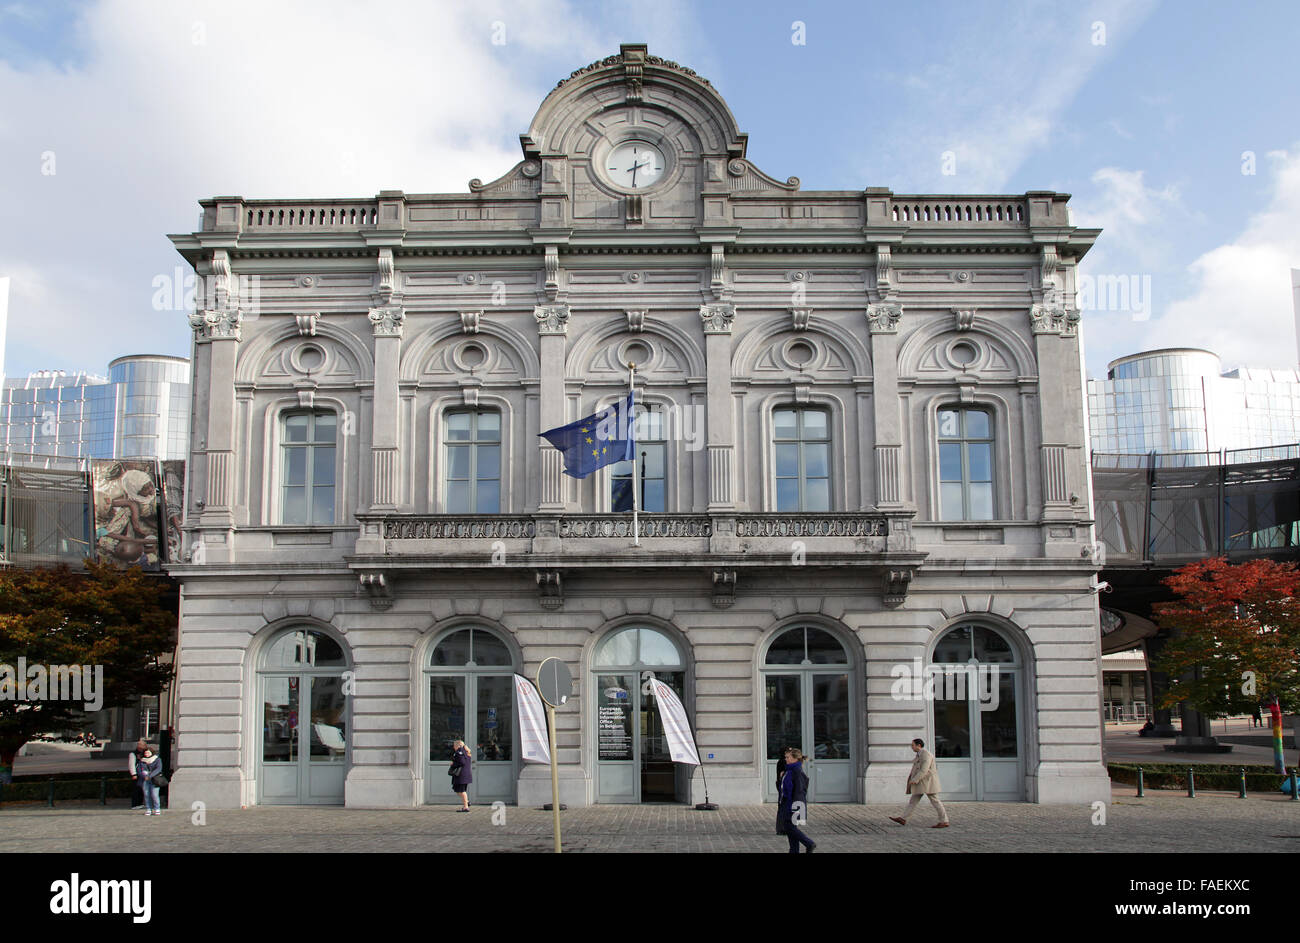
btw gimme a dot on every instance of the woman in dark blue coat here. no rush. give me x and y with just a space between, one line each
794 801
461 775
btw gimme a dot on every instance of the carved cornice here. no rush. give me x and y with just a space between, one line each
718 317
799 318
469 321
963 318
307 323
552 319
610 61
636 319
884 270
883 318
387 320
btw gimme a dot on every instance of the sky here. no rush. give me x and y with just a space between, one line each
1173 125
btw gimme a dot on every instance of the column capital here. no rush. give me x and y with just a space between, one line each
1053 318
387 320
717 317
218 324
552 318
883 318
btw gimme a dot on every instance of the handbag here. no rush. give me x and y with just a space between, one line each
158 779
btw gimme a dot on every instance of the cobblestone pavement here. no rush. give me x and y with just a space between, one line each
1161 822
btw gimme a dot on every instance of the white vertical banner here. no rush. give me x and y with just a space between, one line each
534 745
681 745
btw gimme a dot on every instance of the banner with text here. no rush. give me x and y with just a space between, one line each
533 742
681 745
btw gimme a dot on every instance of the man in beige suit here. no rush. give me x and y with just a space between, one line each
923 780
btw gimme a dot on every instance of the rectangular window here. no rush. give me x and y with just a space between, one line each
802 458
472 456
307 446
652 456
965 465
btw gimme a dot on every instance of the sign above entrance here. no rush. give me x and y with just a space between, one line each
554 681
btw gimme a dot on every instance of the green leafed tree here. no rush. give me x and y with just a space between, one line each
1235 636
120 619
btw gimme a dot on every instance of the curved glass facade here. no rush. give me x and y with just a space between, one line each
140 411
1178 400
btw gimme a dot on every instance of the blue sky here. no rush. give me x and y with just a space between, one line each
1142 111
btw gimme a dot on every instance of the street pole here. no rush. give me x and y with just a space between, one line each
555 776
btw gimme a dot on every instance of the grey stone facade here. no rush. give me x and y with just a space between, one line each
739 293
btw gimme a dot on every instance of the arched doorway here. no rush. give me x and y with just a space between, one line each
978 746
632 759
303 756
807 687
468 677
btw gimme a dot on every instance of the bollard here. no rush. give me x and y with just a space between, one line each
1241 790
1294 797
1141 791
1191 783
50 803
103 790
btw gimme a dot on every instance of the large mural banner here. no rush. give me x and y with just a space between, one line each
126 512
173 475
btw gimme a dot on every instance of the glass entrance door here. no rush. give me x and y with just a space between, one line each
304 754
484 706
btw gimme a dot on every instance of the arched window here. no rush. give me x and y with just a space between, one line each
472 476
965 464
977 713
307 445
801 442
305 719
808 695
470 688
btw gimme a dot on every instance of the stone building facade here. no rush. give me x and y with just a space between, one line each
864 455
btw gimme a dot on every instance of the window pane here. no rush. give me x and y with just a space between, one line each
949 461
787 494
295 506
495 718
458 461
816 459
998 727
785 424
618 649
787 461
654 496
784 717
489 461
814 424
949 427
458 425
295 428
654 461
324 427
322 471
322 511
488 498
977 424
295 470
489 426
992 647
950 501
831 717
280 720
953 647
658 649
951 728
823 649
490 650
979 457
786 648
817 495
981 502
458 497
453 650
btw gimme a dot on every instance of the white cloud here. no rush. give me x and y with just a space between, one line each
1240 305
170 103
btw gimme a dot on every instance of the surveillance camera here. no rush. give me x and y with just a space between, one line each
1102 587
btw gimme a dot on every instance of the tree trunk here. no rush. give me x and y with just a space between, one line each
7 754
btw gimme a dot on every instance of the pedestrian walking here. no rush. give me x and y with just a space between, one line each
923 780
133 758
461 774
793 808
1257 718
147 773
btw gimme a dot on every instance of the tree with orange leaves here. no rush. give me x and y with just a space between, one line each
1236 636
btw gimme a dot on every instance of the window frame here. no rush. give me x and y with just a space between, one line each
800 409
963 441
309 445
446 443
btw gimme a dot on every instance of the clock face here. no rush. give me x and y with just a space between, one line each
635 165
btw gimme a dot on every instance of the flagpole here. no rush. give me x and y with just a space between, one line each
631 418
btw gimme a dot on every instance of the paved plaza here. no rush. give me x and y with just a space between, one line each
1160 822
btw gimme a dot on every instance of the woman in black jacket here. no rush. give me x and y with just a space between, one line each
794 801
461 775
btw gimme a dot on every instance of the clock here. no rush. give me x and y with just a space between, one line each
634 165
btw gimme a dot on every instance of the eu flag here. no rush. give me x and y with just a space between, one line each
598 440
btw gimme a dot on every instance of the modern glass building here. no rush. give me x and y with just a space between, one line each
141 410
1179 400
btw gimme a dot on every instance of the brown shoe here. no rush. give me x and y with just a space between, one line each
940 825
894 818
